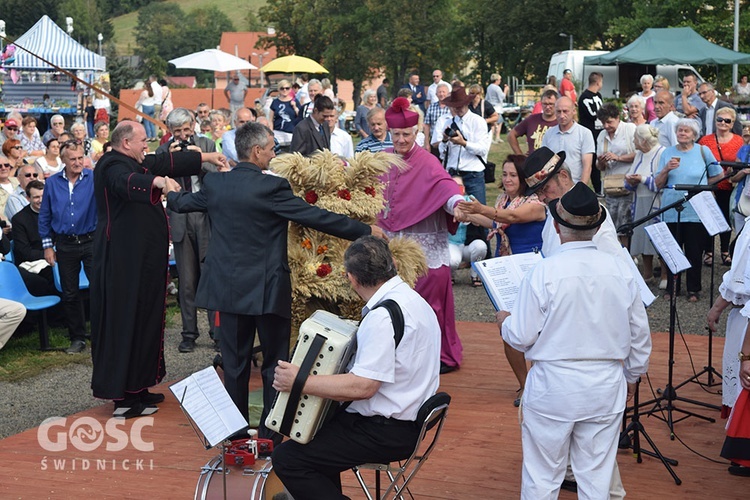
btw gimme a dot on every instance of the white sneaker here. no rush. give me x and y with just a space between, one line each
663 285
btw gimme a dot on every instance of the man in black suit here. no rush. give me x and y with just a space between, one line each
189 232
246 275
418 94
707 115
312 133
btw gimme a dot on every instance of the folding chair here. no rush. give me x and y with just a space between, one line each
12 287
431 416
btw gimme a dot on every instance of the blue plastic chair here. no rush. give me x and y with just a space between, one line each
83 281
9 256
12 287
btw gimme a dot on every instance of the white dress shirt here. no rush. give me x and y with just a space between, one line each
341 143
667 128
478 142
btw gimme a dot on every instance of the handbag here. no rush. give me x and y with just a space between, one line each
614 185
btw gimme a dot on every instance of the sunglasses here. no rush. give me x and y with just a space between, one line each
724 120
12 128
4 165
31 175
17 147
58 123
284 88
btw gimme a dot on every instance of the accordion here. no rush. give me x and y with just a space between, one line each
324 347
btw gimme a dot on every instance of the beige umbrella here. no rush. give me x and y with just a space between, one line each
293 64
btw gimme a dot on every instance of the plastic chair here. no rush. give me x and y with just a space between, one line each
432 417
9 256
83 281
12 287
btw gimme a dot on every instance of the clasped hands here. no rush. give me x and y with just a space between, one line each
464 210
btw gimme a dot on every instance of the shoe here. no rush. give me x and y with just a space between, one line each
150 398
568 485
517 401
663 285
739 470
693 297
218 362
446 368
708 260
476 282
76 347
172 289
726 259
187 345
135 409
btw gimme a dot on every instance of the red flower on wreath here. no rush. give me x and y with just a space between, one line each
371 191
324 270
306 243
345 194
311 197
322 249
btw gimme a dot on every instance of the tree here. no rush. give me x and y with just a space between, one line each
160 36
88 21
20 15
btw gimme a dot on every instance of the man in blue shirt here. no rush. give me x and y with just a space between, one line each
380 138
67 221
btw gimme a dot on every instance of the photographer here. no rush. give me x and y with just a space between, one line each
465 143
189 232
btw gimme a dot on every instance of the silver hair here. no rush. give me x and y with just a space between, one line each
444 84
314 81
250 135
691 124
639 99
647 78
367 94
647 135
179 117
570 234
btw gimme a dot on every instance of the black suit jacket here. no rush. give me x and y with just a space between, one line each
27 244
306 139
246 269
178 222
736 127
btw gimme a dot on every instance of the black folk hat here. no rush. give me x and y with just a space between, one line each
540 166
578 209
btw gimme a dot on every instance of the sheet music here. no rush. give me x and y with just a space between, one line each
208 404
646 296
709 213
502 276
667 246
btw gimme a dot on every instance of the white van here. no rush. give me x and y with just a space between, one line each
622 78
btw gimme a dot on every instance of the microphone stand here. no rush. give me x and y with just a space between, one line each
665 401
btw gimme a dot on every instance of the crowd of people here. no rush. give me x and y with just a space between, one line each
71 199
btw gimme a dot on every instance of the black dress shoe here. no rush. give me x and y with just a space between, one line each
569 486
150 398
447 368
187 345
132 409
218 362
76 347
739 470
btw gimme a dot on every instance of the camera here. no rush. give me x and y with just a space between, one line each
3 224
451 131
183 145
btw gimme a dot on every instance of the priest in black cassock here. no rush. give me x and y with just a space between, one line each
128 289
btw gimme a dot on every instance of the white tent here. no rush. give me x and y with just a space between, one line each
49 41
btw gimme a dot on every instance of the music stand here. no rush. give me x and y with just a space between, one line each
636 427
669 394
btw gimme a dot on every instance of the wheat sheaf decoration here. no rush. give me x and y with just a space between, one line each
352 188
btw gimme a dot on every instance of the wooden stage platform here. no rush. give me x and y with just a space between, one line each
478 457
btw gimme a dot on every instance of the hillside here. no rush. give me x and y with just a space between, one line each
235 9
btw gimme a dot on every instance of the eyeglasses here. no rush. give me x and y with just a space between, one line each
703 93
284 88
659 86
723 120
436 76
31 175
5 165
12 128
72 143
58 123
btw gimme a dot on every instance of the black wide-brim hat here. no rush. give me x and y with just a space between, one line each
578 209
540 166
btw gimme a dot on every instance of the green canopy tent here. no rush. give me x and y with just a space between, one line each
670 46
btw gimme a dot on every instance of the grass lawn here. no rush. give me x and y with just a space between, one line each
21 357
236 10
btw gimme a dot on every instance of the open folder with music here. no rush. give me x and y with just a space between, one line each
207 403
502 276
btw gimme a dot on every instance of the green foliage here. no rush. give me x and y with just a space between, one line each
165 32
20 15
253 22
88 21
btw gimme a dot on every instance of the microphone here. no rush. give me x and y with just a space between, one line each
734 165
691 188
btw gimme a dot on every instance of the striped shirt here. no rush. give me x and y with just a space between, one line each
373 145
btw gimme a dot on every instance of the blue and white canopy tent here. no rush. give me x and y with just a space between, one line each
52 43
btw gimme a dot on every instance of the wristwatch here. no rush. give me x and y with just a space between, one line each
743 357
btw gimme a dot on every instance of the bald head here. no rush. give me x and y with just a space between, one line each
565 112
